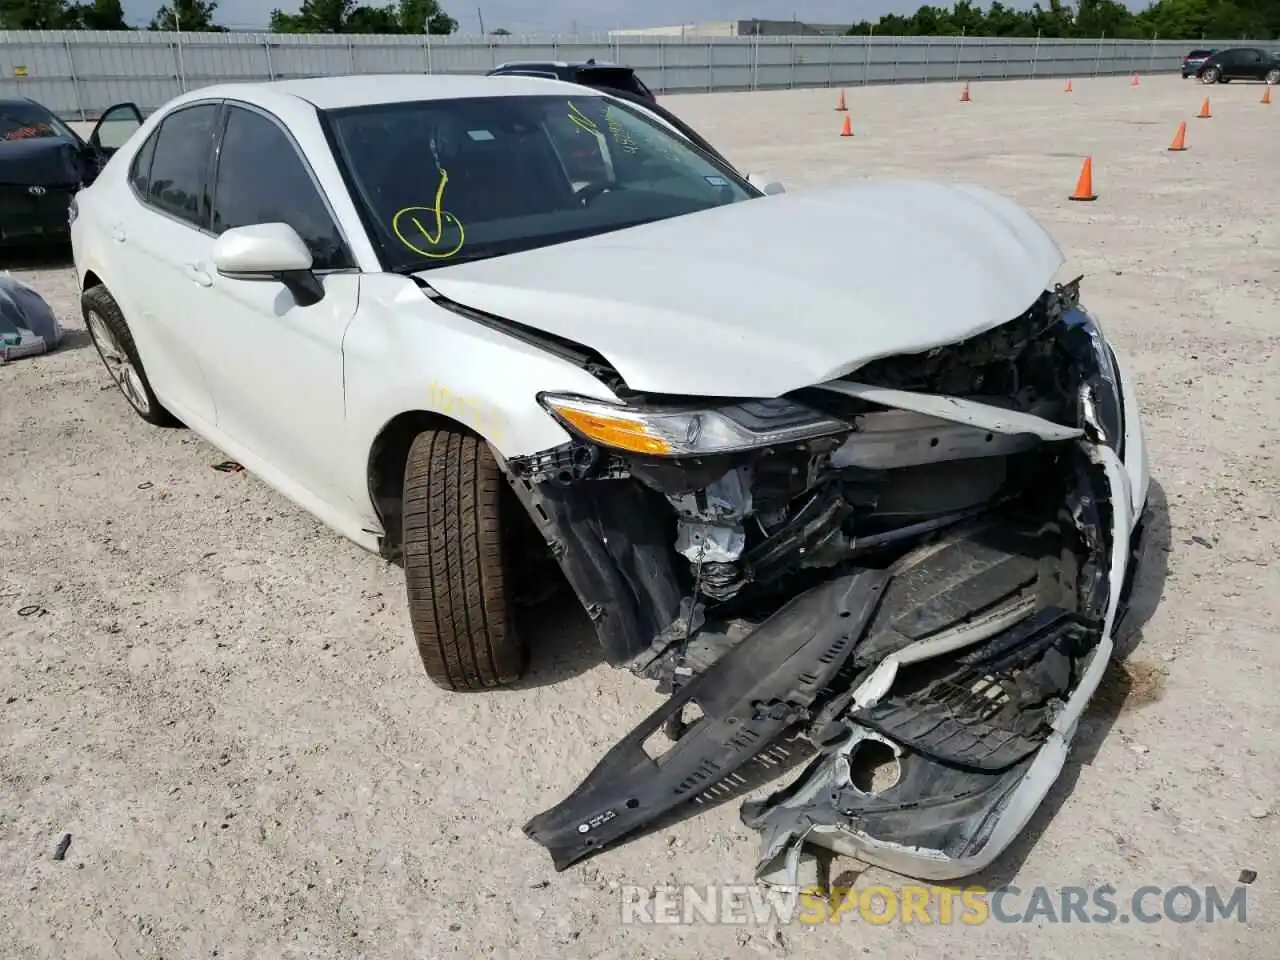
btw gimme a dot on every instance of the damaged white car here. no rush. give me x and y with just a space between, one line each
847 466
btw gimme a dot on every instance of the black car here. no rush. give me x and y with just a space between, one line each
1240 63
606 76
1194 60
43 162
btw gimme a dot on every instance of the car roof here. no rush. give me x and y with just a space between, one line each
559 64
358 90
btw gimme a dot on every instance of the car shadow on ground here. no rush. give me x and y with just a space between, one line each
562 641
74 340
48 257
1128 684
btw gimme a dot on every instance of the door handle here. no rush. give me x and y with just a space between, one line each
196 273
117 233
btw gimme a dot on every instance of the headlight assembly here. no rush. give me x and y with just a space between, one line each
1099 393
690 431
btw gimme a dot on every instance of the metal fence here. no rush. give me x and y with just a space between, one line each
79 73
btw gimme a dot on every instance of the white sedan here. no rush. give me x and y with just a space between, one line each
847 462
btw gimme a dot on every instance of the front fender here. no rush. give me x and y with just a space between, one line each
403 353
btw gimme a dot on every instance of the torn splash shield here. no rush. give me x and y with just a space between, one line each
767 684
960 796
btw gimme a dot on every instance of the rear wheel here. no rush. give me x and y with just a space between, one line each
453 562
1273 76
111 336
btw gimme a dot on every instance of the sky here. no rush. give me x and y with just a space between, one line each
562 16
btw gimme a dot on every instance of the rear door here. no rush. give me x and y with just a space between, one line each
157 234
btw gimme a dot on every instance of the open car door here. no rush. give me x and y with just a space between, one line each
114 128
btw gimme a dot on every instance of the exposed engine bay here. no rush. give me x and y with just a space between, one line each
920 575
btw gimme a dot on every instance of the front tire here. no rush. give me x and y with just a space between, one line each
114 343
459 601
1211 75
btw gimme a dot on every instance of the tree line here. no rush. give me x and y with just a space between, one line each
1163 19
313 16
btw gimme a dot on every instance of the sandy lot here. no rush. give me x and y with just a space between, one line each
219 699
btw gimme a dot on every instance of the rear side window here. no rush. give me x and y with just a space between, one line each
180 162
262 179
612 78
140 170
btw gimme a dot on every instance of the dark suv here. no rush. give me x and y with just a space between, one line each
1240 63
609 76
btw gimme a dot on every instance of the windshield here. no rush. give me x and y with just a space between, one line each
445 181
26 121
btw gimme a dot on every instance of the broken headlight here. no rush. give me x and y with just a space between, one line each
690 431
1099 392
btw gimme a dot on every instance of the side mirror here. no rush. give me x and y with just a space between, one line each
269 252
766 184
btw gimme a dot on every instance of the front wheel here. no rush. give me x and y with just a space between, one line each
1211 75
458 594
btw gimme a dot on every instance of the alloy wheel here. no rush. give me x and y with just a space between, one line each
118 364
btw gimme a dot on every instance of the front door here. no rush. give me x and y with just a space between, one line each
114 128
275 367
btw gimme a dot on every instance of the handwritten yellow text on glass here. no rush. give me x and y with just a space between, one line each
440 237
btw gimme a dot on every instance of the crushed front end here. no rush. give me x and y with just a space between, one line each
916 569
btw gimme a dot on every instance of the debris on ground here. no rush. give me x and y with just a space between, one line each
28 325
60 851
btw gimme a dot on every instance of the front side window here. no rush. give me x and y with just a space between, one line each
444 181
262 179
30 121
180 162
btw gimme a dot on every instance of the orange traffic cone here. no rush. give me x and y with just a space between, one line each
847 129
840 103
1204 113
1134 81
1266 94
964 94
1067 88
1084 186
1180 138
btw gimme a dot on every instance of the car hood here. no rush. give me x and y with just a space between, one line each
768 295
42 161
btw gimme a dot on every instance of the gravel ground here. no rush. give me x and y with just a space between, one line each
219 700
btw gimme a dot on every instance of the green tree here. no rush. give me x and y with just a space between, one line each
190 16
346 16
38 15
1168 19
425 16
101 15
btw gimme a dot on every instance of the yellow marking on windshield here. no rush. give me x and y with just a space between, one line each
576 116
435 237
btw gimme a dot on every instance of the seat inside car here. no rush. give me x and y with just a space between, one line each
500 172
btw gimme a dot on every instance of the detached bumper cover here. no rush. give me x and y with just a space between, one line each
968 664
